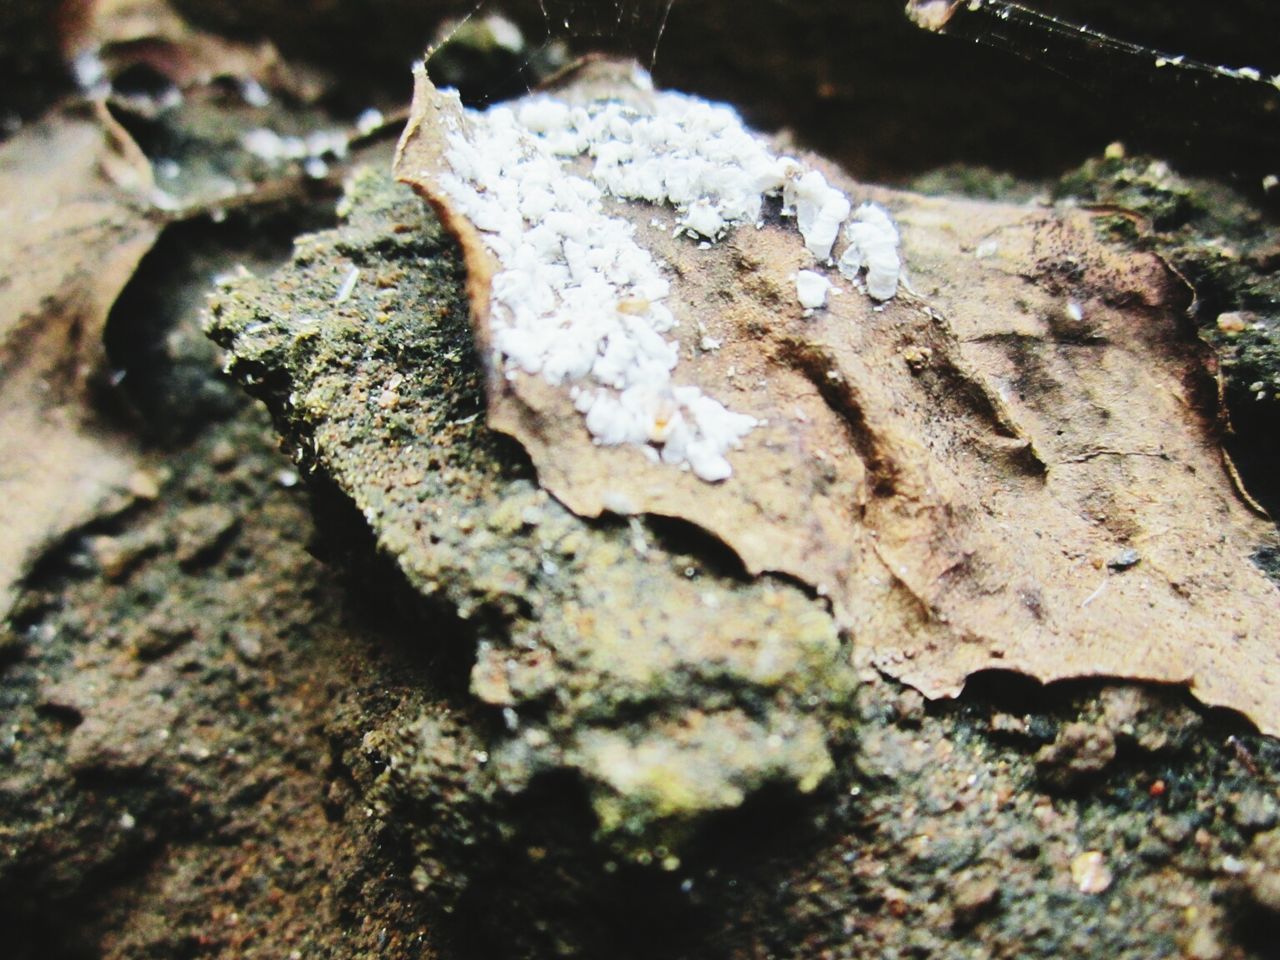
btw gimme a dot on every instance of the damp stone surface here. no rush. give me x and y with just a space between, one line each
632 655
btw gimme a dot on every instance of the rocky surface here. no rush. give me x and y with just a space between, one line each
1068 821
198 761
624 653
228 729
168 786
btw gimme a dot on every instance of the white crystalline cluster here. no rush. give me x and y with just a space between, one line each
577 300
873 246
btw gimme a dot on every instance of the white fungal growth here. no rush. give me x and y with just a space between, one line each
577 300
819 210
873 246
693 155
812 289
704 220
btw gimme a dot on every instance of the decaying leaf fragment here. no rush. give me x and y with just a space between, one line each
75 198
1015 468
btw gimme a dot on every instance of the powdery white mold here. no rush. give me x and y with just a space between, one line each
812 289
579 302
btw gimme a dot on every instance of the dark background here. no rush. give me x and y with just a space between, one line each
856 80
853 78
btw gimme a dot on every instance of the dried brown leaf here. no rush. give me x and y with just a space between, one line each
76 213
974 478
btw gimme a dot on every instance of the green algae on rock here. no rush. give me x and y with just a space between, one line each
672 684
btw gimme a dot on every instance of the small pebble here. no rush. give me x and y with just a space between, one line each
1203 944
1081 750
1089 872
145 484
1234 322
1233 865
223 455
1126 559
1264 890
161 634
248 646
909 707
973 897
201 531
1256 811
113 556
